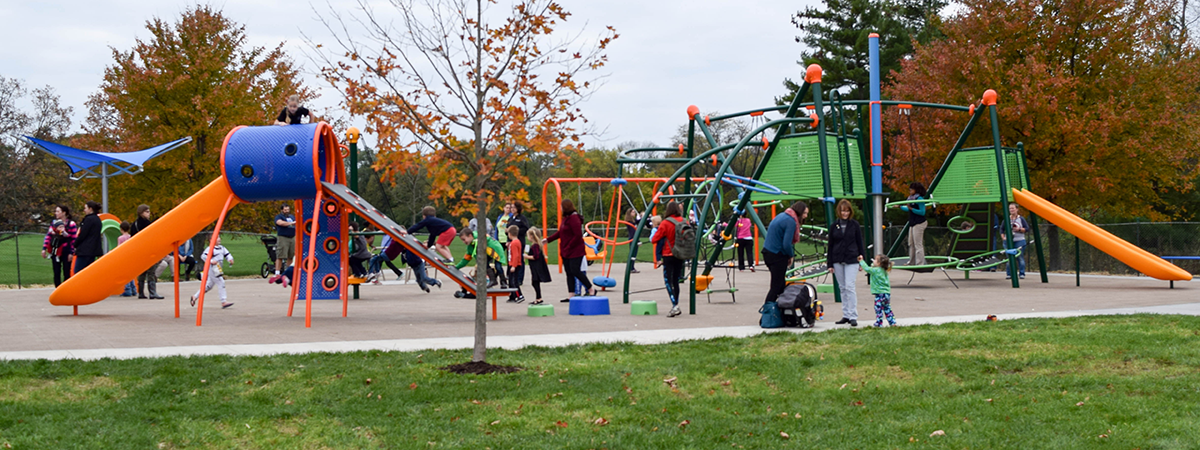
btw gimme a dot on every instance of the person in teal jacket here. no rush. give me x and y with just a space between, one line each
881 287
495 253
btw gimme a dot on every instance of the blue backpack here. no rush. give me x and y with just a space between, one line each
771 316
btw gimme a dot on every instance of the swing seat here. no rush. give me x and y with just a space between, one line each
604 282
590 249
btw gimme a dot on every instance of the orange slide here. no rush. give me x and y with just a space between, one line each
1140 260
107 276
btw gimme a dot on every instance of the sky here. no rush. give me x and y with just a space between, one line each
723 56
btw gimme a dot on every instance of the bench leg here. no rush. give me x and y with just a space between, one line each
494 307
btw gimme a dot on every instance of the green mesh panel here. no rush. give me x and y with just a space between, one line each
795 167
972 177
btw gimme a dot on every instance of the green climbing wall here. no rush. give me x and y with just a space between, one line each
972 177
795 167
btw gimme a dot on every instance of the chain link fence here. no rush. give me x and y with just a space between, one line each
22 264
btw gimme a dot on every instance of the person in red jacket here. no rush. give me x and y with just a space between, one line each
672 266
571 246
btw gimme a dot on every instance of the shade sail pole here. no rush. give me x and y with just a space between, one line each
104 188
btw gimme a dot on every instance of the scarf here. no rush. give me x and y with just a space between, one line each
790 212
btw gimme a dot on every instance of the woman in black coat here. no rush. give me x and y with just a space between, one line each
88 245
845 246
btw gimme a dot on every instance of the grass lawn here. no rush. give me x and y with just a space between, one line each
1092 382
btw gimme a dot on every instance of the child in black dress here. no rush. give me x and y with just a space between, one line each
539 271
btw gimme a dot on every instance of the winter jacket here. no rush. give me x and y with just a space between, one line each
845 242
88 243
666 234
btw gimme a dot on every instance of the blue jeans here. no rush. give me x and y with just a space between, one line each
1020 244
377 263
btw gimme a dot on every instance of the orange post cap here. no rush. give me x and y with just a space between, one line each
874 35
693 110
813 74
989 97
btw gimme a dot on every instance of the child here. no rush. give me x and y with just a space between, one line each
441 232
516 264
495 254
293 113
360 252
417 266
881 287
216 275
744 233
130 287
539 271
655 221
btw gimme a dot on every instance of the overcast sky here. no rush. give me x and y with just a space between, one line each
719 55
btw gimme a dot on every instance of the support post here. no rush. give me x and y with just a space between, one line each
989 100
175 274
876 148
1033 219
1076 261
104 199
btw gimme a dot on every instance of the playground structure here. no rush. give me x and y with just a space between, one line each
830 162
302 163
602 245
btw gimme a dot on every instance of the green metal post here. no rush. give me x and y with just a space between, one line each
1008 243
1033 219
352 135
828 199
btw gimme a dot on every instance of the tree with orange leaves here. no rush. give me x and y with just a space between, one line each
1101 94
467 93
198 77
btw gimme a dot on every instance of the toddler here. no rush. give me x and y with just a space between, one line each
216 275
539 271
881 287
130 287
516 264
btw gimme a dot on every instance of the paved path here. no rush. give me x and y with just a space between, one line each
400 317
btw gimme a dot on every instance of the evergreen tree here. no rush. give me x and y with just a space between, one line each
836 37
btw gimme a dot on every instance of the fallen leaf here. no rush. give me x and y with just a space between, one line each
288 402
561 424
912 439
412 386
250 382
797 415
783 435
475 402
937 433
560 380
1079 404
726 383
989 400
495 422
368 381
1103 436
601 421
203 381
858 403
454 419
843 386
684 423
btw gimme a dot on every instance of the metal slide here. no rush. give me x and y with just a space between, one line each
397 232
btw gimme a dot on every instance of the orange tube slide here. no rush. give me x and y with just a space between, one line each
1140 260
107 276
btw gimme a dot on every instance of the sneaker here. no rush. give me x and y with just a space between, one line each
376 282
156 297
143 297
634 271
273 279
1022 276
512 300
1008 277
751 270
891 324
842 322
226 305
437 283
674 311
878 325
521 299
286 281
372 277
425 288
853 323
193 301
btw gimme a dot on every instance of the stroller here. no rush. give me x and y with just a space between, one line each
268 268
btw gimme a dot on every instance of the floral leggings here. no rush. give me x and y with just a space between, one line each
883 307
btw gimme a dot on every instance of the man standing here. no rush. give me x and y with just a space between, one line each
148 280
285 241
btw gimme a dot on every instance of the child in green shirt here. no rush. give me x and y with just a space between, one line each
881 287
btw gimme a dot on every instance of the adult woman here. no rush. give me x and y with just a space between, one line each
631 221
149 278
779 246
60 243
845 246
916 224
87 244
672 266
571 248
1019 228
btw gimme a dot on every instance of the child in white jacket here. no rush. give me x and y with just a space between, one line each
216 275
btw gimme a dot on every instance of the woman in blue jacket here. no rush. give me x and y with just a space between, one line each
779 246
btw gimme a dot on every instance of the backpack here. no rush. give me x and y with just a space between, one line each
796 302
771 317
685 240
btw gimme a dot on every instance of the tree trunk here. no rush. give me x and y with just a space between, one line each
481 240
